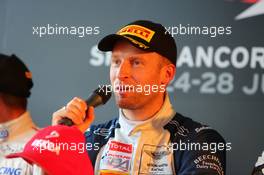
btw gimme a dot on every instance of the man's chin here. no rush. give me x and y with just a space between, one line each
125 105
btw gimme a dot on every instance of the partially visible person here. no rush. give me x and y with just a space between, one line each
16 125
259 166
57 150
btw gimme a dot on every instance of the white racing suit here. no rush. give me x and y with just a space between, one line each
13 136
259 166
155 146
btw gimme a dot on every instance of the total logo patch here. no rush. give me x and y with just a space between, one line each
120 147
116 159
157 160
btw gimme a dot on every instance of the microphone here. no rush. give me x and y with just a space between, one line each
98 97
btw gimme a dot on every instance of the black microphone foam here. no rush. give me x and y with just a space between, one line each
99 97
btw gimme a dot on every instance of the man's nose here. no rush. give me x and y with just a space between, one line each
123 71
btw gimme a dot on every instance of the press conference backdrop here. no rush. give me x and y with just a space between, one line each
220 77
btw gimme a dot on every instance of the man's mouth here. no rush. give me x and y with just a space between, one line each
124 88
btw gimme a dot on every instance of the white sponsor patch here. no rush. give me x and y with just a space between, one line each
117 157
156 160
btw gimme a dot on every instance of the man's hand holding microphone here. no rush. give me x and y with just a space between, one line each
80 112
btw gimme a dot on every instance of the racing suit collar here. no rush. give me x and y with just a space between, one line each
18 125
260 160
158 121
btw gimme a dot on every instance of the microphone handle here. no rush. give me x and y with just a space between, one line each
93 100
65 121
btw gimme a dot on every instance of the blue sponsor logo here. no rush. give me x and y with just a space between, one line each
10 171
3 133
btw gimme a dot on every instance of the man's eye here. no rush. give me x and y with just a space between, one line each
136 62
116 62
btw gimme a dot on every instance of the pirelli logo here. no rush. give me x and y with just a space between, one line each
139 31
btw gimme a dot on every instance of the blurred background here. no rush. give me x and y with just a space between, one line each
220 77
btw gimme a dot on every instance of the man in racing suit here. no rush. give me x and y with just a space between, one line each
149 136
16 125
259 166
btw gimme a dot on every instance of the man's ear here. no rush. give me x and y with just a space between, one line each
167 73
